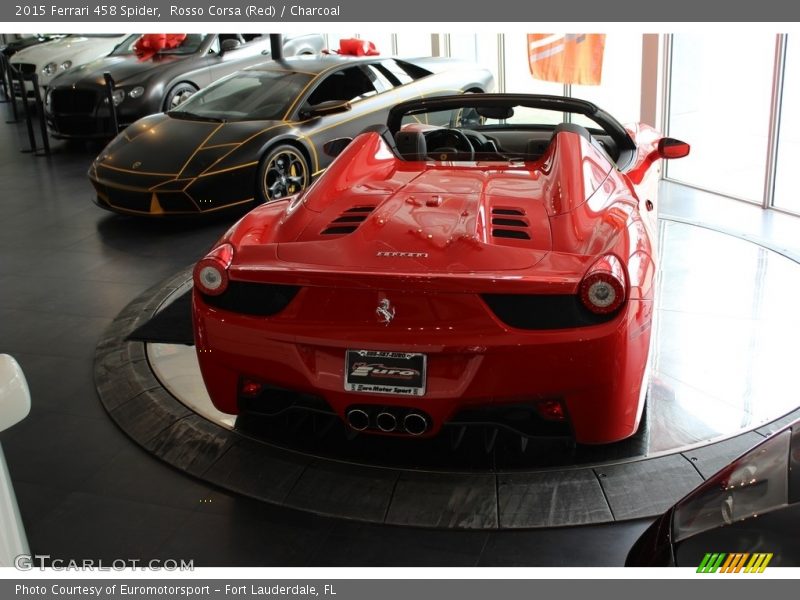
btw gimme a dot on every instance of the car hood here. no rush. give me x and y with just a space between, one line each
124 70
21 44
67 48
163 145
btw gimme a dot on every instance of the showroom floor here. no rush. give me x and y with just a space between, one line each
85 490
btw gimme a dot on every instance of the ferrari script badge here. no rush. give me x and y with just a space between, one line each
385 311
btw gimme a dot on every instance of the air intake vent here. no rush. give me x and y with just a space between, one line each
515 234
348 221
339 229
510 223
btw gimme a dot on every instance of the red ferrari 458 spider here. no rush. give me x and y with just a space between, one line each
480 259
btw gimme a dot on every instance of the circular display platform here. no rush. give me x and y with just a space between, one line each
721 370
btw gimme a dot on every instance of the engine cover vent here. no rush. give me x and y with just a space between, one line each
510 223
348 221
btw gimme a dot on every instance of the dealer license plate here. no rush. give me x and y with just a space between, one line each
378 372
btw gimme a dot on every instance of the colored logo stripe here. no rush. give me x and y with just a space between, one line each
711 562
758 563
733 563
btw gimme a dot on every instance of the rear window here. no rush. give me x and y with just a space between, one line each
401 72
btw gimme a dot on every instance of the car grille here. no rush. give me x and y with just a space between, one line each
261 299
544 311
128 200
26 68
170 202
68 101
79 125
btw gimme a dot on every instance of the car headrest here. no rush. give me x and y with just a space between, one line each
411 145
573 128
537 147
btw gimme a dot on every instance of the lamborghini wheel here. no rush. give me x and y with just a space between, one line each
283 172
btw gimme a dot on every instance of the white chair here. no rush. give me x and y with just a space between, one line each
15 404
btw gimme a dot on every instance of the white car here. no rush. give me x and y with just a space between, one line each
51 58
15 404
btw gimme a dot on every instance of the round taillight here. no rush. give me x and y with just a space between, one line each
211 273
602 290
211 277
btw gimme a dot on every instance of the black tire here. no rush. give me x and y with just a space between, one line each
283 171
177 95
644 422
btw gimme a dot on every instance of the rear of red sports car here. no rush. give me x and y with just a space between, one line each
407 295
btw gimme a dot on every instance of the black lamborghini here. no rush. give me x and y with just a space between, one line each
260 134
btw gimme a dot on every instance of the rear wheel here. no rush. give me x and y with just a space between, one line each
283 171
177 95
644 421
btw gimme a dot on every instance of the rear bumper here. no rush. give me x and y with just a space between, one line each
595 371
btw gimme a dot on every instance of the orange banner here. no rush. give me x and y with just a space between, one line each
567 58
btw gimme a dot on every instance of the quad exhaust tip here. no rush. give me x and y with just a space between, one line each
386 422
358 419
415 424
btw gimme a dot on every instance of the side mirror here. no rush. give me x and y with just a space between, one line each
335 147
667 148
329 107
672 148
15 398
228 45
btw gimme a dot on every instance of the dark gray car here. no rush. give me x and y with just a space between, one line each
744 517
76 103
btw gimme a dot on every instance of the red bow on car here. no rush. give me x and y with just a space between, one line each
356 47
151 44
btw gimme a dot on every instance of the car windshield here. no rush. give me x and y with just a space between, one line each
518 117
190 45
246 96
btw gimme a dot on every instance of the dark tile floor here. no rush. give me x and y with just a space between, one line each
84 489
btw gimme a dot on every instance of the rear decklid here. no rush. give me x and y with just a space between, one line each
444 220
